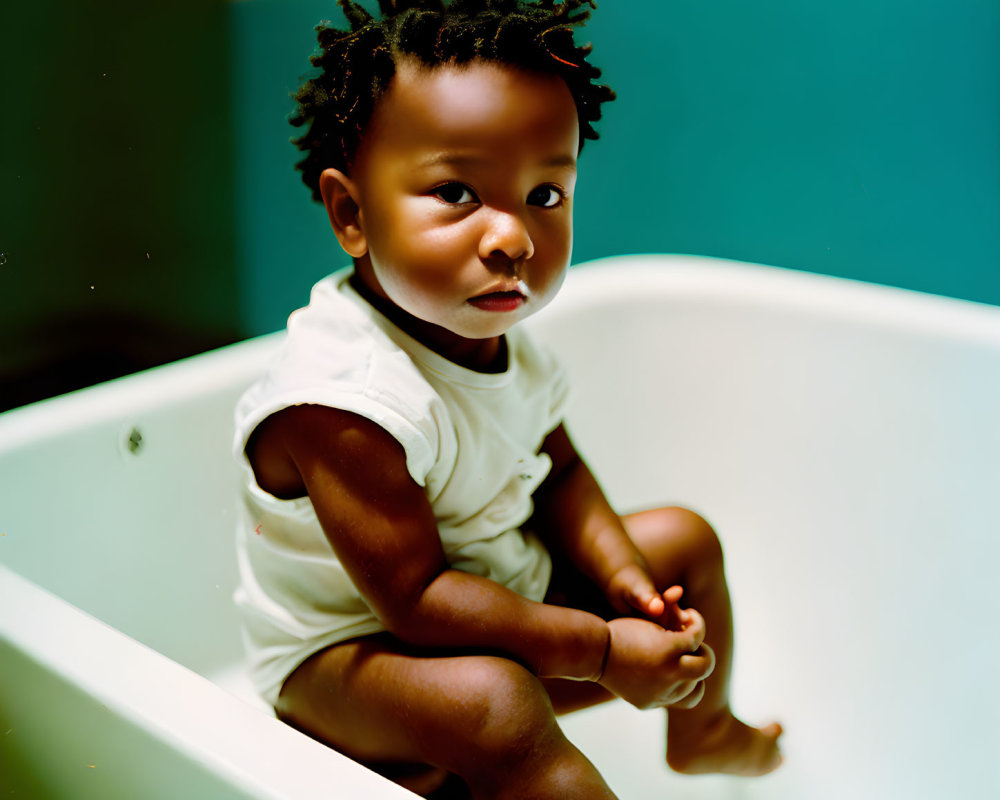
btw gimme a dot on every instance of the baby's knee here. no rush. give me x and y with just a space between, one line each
515 742
688 531
508 714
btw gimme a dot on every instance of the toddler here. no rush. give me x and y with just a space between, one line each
429 571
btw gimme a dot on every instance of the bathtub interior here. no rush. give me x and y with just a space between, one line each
841 438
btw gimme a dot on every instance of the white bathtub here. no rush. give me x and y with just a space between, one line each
842 437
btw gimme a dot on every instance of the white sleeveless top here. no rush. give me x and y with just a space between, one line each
471 441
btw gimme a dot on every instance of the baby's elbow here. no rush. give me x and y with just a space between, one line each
405 591
405 616
397 621
410 627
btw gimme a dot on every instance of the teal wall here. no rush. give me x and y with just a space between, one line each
859 139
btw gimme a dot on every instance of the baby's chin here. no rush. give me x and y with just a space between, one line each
471 330
467 320
470 322
474 323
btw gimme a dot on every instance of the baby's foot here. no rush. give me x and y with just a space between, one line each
725 745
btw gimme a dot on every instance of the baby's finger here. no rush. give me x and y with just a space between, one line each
640 592
698 665
650 604
694 628
673 595
674 617
645 598
690 698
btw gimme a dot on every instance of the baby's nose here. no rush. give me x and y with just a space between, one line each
506 237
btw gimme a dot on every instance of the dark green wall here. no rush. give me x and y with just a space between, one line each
116 190
856 139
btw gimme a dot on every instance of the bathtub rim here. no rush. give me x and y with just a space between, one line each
777 288
225 735
169 383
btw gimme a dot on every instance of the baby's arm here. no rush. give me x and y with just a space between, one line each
383 530
571 510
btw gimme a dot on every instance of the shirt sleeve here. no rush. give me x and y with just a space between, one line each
331 358
416 434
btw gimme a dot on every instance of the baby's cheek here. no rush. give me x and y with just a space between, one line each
546 287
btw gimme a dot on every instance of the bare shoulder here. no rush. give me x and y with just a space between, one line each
298 444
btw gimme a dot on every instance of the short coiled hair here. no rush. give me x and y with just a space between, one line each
357 65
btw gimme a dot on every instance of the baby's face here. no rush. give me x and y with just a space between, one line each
464 184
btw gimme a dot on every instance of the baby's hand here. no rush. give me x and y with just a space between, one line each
650 666
631 589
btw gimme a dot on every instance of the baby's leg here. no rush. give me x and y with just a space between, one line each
484 718
681 548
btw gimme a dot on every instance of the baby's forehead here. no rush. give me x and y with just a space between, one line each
476 84
473 102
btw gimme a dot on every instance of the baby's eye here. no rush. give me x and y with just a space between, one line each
455 194
546 197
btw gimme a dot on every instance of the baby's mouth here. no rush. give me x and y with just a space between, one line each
501 301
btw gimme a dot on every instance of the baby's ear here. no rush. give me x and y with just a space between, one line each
341 200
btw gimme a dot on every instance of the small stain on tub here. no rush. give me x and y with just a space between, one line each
134 441
131 442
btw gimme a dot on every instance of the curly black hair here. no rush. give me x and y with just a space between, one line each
357 65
